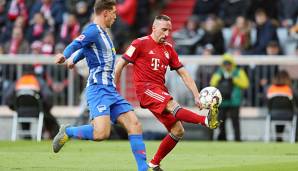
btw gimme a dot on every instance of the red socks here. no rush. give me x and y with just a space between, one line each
190 117
166 145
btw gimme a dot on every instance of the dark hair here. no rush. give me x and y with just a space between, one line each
282 78
163 17
260 11
273 44
101 5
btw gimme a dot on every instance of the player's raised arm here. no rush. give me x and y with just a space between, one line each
190 84
121 63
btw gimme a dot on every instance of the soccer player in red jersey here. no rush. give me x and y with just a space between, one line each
151 56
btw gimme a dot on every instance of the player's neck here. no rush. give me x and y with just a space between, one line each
100 21
154 39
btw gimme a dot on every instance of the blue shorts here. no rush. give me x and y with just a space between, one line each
105 100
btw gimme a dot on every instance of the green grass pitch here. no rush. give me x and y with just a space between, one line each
116 156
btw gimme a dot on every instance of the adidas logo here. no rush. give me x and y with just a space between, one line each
151 52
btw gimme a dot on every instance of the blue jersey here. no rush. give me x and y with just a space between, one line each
95 44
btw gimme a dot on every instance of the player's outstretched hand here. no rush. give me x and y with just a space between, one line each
70 64
59 58
198 103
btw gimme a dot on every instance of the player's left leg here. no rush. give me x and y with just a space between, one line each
99 100
134 129
98 130
185 115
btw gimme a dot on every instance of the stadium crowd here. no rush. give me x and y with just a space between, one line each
239 26
255 27
45 26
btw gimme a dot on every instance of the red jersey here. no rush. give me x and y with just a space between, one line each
151 60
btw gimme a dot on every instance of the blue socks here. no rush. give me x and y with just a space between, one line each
138 148
137 145
84 132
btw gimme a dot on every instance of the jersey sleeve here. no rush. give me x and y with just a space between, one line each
87 37
78 56
175 63
132 51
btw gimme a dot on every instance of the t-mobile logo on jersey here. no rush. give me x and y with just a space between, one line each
155 63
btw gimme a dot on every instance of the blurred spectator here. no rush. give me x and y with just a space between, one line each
263 73
9 26
17 44
294 31
30 3
36 47
266 32
52 11
270 7
70 29
126 10
142 20
205 8
2 13
288 12
213 35
273 49
231 81
37 27
282 86
204 72
83 12
122 28
17 8
186 39
20 22
240 39
81 8
48 43
29 79
230 9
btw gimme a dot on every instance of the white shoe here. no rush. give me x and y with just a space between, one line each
154 167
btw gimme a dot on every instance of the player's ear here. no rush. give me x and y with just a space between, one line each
153 27
105 13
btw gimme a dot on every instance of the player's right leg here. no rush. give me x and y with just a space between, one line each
176 133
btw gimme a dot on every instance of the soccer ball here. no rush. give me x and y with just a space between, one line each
208 94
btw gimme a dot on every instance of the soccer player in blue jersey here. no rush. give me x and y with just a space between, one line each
104 102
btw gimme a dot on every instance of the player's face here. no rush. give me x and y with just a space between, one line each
161 30
110 17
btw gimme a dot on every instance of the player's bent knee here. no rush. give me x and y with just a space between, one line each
100 135
173 107
178 131
135 128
